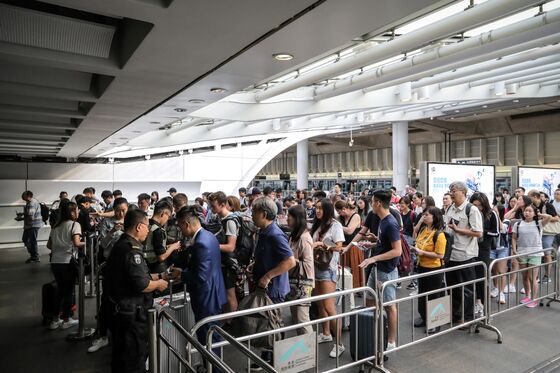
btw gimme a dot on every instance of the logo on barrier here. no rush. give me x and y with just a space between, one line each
295 354
438 312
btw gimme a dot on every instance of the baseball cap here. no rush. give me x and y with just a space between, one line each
253 190
172 190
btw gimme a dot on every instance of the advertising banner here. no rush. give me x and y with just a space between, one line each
543 179
479 178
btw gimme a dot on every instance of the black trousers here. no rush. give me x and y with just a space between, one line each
483 256
426 284
456 277
65 276
130 342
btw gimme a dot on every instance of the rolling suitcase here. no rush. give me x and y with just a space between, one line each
362 337
50 307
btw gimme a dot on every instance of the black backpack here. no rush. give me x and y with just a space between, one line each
54 217
448 245
245 243
44 212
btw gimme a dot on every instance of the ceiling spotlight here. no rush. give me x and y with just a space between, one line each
111 160
180 109
155 122
457 111
484 106
431 118
516 101
181 152
218 90
196 101
190 151
147 157
283 56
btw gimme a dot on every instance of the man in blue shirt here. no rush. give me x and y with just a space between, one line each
273 256
386 256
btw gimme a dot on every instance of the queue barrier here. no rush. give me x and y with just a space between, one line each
476 322
550 291
370 360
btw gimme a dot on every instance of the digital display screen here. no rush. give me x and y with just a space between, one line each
543 179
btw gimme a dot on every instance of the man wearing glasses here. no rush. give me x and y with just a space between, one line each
156 250
130 285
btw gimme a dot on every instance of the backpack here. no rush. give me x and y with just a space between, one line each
44 212
54 217
245 243
405 262
448 245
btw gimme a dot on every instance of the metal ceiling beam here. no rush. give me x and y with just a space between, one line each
519 76
26 146
57 113
31 90
470 18
15 134
30 142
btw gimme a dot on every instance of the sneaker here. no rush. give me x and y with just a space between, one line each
522 291
525 300
53 325
478 310
391 346
532 304
70 323
412 286
494 293
545 280
419 322
32 260
340 350
399 285
98 344
324 338
502 299
510 288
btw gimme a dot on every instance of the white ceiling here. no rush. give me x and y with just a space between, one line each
59 101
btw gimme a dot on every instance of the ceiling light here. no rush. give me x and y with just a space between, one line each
123 138
111 160
484 106
190 151
180 109
283 56
147 157
218 90
457 111
112 143
181 152
136 131
516 101
196 101
155 122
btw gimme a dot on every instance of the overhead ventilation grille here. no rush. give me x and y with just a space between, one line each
42 30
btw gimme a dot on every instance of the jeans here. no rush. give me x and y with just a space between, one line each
29 239
65 277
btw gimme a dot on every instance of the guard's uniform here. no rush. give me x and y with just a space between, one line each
127 275
155 245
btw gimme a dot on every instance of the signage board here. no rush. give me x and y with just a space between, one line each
543 179
438 312
478 178
470 160
295 354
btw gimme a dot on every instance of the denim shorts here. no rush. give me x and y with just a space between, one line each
499 253
328 275
390 292
547 240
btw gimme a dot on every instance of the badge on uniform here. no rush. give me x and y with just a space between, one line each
137 259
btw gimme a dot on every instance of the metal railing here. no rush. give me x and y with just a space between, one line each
480 321
338 317
154 347
513 300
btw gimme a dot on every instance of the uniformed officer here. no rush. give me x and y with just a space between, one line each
156 249
130 286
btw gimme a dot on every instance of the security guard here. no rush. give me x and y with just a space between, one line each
130 286
156 250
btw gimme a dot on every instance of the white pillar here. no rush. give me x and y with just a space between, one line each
302 160
400 155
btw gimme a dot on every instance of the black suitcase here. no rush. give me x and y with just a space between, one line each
365 329
50 302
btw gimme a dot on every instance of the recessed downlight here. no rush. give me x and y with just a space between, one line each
218 90
196 101
283 56
180 109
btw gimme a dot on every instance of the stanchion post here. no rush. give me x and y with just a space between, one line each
83 332
152 341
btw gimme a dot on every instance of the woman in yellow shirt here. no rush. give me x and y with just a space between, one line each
430 258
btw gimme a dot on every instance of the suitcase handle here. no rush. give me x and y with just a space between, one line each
179 305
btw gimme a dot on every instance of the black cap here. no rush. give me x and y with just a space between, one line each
253 190
172 190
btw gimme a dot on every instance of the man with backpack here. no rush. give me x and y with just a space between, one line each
33 220
464 224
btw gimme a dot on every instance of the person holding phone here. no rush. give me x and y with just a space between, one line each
429 249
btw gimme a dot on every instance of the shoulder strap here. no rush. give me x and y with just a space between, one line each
468 212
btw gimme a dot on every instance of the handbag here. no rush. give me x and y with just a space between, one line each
322 257
300 287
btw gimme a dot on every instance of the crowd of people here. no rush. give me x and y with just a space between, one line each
293 245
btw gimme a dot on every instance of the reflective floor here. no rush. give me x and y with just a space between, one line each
531 336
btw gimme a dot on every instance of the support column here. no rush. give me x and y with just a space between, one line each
302 164
400 155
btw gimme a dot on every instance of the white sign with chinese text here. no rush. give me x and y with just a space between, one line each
295 354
